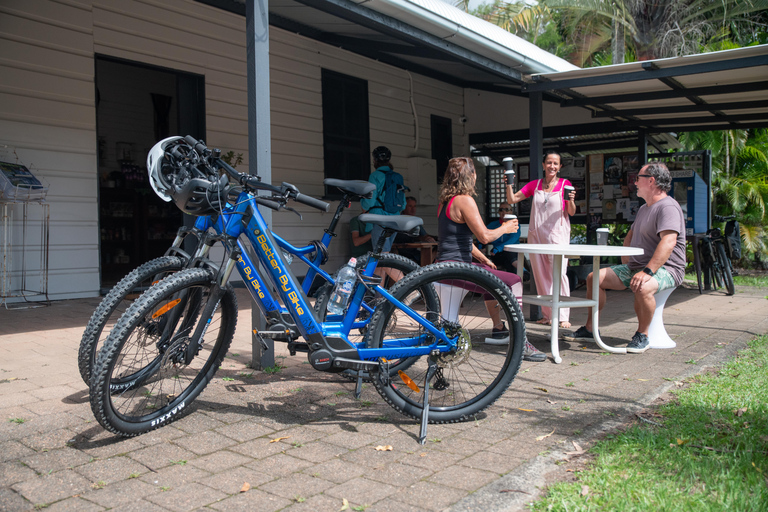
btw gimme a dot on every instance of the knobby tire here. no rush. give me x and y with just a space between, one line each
476 374
145 355
114 304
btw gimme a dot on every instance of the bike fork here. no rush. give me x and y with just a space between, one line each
218 290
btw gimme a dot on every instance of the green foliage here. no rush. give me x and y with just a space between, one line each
710 452
739 183
232 158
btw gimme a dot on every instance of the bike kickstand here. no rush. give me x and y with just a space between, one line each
359 385
425 406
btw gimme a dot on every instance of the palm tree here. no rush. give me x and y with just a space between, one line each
656 28
739 180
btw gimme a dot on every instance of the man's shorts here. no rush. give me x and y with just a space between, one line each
663 277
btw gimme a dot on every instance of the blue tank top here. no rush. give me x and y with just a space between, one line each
454 242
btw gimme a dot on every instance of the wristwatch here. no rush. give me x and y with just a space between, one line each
649 271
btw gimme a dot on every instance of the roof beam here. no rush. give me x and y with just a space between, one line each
664 95
654 123
681 109
551 132
646 74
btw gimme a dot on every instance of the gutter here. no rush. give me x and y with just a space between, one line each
445 21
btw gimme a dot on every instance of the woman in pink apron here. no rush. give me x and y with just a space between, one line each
550 224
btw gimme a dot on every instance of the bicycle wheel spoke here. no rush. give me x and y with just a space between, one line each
144 366
473 374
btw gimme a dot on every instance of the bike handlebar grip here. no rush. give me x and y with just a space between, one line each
199 146
266 202
314 203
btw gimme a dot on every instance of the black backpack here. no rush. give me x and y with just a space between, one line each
733 239
707 252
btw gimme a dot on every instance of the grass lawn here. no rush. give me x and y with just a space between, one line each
710 452
756 280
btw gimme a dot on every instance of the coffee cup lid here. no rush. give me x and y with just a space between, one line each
568 187
510 216
509 171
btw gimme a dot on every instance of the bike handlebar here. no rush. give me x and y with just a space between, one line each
720 218
285 190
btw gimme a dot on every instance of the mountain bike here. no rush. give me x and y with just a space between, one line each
716 262
314 255
169 343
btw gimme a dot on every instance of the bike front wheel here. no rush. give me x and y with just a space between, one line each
115 303
140 381
474 374
725 266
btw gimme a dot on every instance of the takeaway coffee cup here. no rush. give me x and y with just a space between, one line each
509 216
602 236
509 173
568 189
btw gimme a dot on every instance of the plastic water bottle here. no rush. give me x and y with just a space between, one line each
345 282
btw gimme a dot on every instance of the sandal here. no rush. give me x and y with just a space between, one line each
565 325
543 321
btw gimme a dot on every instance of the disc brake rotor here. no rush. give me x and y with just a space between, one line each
174 354
456 357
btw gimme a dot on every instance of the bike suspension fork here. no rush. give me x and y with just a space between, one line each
217 291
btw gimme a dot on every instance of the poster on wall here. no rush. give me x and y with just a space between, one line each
523 172
595 163
613 170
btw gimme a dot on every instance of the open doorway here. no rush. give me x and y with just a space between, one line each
137 105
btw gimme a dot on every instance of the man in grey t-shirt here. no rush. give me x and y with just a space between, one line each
659 229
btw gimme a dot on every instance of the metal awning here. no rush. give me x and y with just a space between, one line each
428 37
712 91
573 140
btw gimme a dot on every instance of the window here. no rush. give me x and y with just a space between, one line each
442 144
346 141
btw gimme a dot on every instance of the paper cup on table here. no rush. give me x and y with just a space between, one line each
602 236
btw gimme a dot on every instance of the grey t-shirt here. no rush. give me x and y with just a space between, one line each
663 215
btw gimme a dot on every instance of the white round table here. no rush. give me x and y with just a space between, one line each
554 301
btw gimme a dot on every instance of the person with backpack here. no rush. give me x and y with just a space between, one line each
389 198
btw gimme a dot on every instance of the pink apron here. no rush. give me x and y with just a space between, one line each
549 225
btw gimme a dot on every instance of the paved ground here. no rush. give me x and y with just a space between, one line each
53 452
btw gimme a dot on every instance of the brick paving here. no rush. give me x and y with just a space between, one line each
54 454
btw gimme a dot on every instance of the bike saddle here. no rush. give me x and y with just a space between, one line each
393 222
357 187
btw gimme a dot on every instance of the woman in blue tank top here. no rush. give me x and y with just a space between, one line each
458 220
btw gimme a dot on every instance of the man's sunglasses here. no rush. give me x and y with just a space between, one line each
505 209
637 178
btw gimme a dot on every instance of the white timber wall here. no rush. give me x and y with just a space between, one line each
48 118
47 108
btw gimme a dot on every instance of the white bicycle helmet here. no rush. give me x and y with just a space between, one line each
177 173
155 161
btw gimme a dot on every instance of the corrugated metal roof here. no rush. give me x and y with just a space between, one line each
711 91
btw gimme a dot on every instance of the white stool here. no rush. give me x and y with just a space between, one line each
657 333
450 300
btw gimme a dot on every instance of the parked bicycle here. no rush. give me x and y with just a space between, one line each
169 343
716 251
314 255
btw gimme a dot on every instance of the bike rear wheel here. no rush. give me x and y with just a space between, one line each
145 352
475 374
725 265
115 303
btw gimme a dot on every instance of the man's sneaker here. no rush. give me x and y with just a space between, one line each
581 334
639 343
499 336
531 353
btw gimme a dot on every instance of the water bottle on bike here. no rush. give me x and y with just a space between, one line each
345 282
